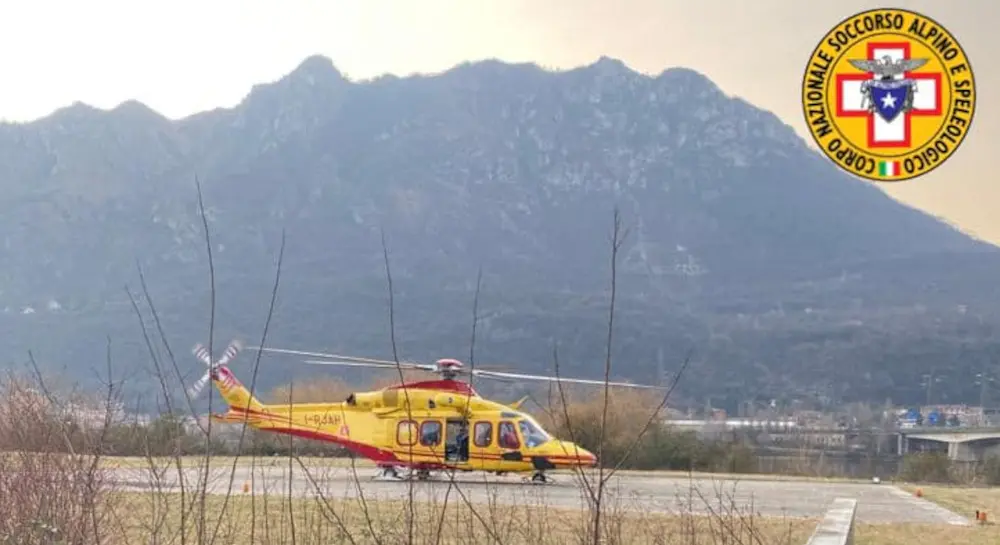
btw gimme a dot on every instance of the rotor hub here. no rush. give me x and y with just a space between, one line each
448 367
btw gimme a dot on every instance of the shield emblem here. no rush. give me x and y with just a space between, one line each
891 98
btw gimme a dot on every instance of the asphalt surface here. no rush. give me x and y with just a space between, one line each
882 503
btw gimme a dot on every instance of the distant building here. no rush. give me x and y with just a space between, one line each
730 424
947 415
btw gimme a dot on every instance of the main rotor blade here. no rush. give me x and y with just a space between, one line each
495 374
377 365
323 355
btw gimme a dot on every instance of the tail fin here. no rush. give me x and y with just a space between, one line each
233 391
517 404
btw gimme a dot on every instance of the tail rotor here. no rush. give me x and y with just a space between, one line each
231 351
205 357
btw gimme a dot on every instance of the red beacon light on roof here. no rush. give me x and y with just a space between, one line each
448 367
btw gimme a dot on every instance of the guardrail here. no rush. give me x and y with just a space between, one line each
837 526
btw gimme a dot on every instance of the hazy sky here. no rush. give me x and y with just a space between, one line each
184 56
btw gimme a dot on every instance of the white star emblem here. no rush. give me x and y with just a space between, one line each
888 101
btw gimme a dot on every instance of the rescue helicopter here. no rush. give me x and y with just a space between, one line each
420 426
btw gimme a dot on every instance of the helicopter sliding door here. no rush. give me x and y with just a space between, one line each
481 448
456 448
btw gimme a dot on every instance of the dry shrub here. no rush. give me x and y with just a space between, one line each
926 467
50 497
936 467
991 471
658 445
334 390
51 489
627 414
315 390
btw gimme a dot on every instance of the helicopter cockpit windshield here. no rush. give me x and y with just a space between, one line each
532 433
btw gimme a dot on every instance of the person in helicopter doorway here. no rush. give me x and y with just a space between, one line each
463 442
458 451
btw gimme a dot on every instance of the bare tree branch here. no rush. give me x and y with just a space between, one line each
616 244
211 351
402 384
256 367
166 344
652 417
468 398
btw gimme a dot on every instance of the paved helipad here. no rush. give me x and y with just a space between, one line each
669 494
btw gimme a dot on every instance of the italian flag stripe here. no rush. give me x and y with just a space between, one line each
888 168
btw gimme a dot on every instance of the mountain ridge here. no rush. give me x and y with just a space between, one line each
508 167
320 67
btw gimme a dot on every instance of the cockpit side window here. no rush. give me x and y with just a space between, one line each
406 433
483 434
533 435
430 433
507 436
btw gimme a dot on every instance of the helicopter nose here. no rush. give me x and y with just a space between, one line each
587 457
579 455
564 454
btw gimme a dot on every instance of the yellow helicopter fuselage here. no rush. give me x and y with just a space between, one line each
437 424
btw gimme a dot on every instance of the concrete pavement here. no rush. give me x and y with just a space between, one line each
669 494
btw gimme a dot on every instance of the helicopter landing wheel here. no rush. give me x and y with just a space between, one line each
540 478
423 474
387 473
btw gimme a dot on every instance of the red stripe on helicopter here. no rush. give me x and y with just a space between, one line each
453 386
368 451
383 455
555 459
262 415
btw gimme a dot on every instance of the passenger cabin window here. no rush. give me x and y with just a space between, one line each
483 434
533 434
406 433
507 437
430 433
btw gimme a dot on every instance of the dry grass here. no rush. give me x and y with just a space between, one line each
963 500
261 520
931 534
537 524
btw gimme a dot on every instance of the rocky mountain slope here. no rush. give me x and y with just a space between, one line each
787 277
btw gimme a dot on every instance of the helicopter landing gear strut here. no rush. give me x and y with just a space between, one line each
387 473
540 478
390 473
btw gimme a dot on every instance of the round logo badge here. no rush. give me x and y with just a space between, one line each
888 94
